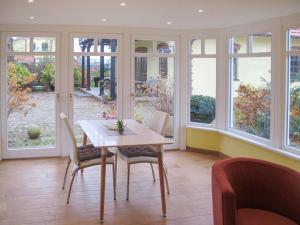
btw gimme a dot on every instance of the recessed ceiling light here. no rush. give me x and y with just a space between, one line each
30 1
169 22
200 10
31 17
123 4
104 19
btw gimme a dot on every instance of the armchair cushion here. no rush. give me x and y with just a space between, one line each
247 216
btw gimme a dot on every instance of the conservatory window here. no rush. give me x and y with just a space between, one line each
203 81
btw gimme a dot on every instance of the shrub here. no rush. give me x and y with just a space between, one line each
203 109
34 132
19 79
47 76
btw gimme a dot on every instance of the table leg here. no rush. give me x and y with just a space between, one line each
102 188
84 139
161 180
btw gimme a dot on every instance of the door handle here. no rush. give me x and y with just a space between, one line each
132 95
71 97
57 97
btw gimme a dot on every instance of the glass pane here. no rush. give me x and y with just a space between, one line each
107 45
251 95
18 44
95 89
294 99
167 47
83 45
238 45
195 46
154 87
203 90
44 44
294 39
143 46
261 42
210 46
31 93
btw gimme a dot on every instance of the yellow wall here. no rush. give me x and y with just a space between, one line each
212 140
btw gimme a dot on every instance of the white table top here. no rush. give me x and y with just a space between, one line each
97 133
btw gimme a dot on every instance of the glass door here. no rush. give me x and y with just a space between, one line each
30 96
153 85
94 79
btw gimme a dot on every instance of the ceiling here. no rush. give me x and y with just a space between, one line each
182 14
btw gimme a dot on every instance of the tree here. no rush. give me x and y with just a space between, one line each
19 78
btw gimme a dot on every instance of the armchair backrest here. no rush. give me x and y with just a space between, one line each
159 122
70 138
262 185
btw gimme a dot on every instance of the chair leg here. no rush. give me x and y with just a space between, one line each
128 174
81 171
116 163
166 178
114 179
71 184
66 172
153 174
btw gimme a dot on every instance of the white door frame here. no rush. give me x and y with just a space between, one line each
176 57
28 152
119 66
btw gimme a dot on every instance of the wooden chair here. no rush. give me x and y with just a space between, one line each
145 154
83 157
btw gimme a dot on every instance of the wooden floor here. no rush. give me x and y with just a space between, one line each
30 193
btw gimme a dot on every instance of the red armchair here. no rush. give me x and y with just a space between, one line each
255 192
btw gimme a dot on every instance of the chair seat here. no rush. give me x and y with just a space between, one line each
89 152
136 154
137 151
247 216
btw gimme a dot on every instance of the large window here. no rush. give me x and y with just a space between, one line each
250 69
203 81
154 76
293 71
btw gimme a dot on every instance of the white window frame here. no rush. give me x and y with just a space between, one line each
201 55
155 53
29 151
229 126
285 57
117 54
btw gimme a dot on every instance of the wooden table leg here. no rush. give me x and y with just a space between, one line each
84 139
102 188
83 143
161 180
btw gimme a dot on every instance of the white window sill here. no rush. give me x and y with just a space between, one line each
284 152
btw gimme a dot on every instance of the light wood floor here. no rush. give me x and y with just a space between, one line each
30 193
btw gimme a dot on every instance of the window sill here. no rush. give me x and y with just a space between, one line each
284 152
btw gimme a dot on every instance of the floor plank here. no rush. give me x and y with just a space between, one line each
30 193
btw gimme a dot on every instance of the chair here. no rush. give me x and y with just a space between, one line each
83 157
145 154
255 192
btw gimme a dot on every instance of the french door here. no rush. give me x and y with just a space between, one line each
30 95
154 82
95 84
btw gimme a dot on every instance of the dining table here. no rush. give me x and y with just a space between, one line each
102 135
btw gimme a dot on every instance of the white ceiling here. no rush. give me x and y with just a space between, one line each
145 13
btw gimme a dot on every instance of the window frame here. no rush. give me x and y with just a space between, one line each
286 53
201 56
250 54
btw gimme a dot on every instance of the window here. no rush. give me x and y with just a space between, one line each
203 81
154 81
250 69
293 77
